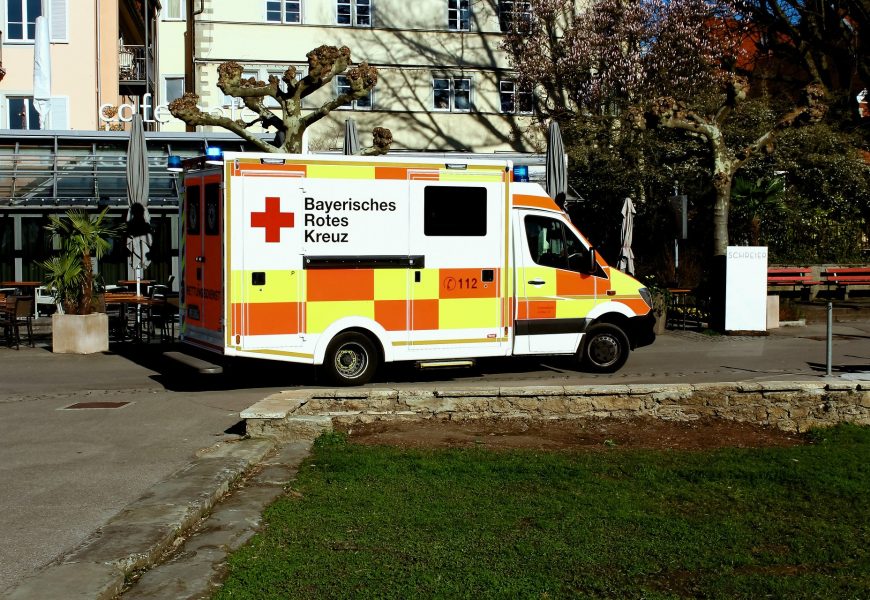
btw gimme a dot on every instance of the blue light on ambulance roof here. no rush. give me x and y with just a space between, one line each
214 155
521 172
173 163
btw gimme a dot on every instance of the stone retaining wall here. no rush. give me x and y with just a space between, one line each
790 406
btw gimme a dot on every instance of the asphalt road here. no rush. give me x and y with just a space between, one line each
66 471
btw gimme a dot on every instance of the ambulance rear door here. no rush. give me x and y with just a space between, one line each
203 296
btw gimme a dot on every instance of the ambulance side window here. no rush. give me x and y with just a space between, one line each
454 211
192 200
552 244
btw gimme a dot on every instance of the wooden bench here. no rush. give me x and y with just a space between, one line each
798 278
844 277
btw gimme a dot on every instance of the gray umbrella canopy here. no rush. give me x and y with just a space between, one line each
626 255
557 168
138 226
351 139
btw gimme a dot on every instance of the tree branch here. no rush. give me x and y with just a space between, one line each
186 109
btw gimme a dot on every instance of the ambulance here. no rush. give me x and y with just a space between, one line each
349 262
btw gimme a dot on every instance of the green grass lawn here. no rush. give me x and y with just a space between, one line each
379 522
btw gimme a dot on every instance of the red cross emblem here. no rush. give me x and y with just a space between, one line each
272 219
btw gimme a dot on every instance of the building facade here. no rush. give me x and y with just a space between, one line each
102 54
444 84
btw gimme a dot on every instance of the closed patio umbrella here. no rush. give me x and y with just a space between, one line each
42 71
626 255
138 225
557 167
351 139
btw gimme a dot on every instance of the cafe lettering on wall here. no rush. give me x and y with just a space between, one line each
160 113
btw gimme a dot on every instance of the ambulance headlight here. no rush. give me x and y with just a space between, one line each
647 297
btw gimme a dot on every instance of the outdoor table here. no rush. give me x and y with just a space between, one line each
27 288
126 299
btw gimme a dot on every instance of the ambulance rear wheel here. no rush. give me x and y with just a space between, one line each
351 359
605 348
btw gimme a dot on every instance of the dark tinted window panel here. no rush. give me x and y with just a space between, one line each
212 208
454 211
192 213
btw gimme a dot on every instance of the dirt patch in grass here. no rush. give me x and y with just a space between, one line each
573 434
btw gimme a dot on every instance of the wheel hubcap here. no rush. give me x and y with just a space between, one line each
351 361
604 350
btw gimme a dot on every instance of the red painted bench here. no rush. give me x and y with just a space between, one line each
795 277
843 277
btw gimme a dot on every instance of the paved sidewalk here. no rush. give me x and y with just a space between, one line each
133 464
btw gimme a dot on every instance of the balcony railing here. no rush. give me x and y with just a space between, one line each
131 63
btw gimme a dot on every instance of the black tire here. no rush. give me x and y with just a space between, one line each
605 348
351 359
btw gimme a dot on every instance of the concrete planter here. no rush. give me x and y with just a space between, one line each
79 334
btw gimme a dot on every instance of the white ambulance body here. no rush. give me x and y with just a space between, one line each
348 262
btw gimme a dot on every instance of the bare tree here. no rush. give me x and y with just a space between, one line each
324 63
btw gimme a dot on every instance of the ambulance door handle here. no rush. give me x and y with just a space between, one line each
416 276
200 259
537 282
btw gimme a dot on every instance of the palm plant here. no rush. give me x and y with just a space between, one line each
70 276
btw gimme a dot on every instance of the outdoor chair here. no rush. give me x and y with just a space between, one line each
161 314
18 311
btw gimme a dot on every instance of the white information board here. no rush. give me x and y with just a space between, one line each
746 288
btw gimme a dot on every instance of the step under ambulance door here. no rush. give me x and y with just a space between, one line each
203 299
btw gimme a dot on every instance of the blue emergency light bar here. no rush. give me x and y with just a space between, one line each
173 163
521 172
214 155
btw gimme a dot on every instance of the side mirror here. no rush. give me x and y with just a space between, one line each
593 263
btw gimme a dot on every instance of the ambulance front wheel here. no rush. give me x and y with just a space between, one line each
605 348
351 359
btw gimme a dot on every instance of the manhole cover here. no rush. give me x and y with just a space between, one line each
78 405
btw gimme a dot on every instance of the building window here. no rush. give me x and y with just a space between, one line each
354 12
515 15
284 11
21 19
22 114
458 15
173 87
174 9
514 98
451 94
342 86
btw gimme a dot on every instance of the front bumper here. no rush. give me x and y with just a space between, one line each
641 330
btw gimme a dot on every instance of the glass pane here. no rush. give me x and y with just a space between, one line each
526 102
441 90
174 88
546 242
273 11
17 113
16 31
7 263
292 12
462 98
15 13
507 96
34 9
365 101
35 247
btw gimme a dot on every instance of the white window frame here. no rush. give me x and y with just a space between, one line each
22 40
31 110
454 15
283 10
516 91
452 94
354 13
182 10
165 99
509 7
354 104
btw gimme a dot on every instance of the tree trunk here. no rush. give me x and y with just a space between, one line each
721 207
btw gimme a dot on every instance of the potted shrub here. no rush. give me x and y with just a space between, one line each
80 328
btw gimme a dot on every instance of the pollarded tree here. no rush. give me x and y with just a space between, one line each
324 63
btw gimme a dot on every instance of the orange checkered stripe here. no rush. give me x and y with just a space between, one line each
443 299
340 170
